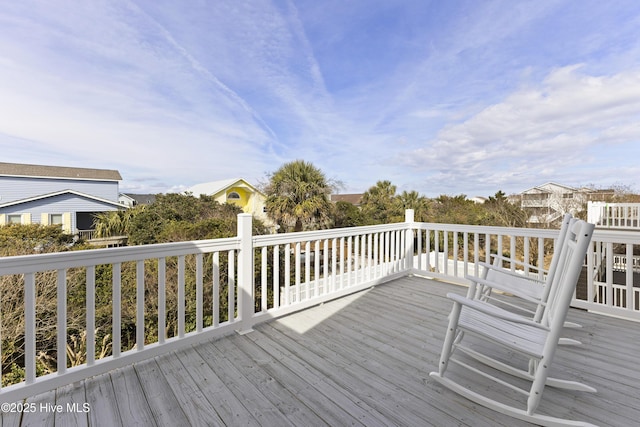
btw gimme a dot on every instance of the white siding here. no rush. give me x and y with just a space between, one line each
20 188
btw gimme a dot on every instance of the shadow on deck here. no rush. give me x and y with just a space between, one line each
360 360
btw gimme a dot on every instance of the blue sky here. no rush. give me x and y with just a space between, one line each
443 97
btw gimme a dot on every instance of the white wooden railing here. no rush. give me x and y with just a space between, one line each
344 261
215 287
614 215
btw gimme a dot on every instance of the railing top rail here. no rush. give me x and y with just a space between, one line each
617 236
60 260
613 204
461 228
336 233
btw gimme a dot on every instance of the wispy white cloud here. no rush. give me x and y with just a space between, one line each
566 128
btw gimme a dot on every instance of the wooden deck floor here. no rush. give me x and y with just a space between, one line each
360 360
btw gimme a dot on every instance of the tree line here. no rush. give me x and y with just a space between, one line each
298 197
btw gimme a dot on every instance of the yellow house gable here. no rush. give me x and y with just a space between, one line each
239 196
234 191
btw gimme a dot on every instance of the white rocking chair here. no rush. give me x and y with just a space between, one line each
535 340
532 290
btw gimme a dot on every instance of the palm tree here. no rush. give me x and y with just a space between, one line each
112 223
413 200
298 197
379 204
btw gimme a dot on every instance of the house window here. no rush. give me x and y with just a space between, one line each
233 196
14 219
55 219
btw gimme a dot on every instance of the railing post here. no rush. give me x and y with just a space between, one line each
409 240
245 274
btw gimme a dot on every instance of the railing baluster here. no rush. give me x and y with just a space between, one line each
370 255
455 254
199 292
512 251
487 248
231 283
62 321
436 249
316 269
276 276
287 274
90 274
116 316
307 269
140 305
465 249
356 260
629 277
349 259
540 258
30 327
334 264
263 279
162 299
215 272
419 249
181 296
392 247
609 274
326 280
527 254
476 253
427 244
445 253
298 272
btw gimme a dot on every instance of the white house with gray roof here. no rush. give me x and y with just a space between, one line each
70 197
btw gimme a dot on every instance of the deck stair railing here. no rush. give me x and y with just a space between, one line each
153 299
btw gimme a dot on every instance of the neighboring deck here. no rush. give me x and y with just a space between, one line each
360 360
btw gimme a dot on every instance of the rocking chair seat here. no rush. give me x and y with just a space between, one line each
487 320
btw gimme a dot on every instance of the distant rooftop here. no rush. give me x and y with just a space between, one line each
142 199
214 187
41 171
354 199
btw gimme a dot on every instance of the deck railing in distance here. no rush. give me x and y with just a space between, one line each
141 301
607 285
614 215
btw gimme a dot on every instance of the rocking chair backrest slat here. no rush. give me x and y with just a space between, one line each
570 262
567 221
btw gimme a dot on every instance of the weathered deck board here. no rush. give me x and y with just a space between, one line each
360 360
162 401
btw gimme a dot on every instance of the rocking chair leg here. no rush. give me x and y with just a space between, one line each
450 338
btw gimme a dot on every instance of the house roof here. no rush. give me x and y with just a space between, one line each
40 171
58 193
354 199
141 199
546 188
215 187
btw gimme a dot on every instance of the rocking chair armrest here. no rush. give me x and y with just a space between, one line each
505 288
509 272
515 261
494 311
